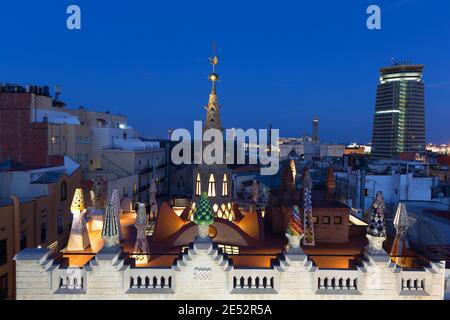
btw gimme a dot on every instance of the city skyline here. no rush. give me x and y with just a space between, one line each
239 152
131 60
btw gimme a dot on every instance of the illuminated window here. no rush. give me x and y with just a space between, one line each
211 186
198 185
225 185
229 249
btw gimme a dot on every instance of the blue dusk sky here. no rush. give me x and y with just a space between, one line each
280 62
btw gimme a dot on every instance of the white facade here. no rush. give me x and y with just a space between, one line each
203 273
310 149
328 150
395 187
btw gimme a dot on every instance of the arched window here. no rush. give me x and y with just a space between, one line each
225 185
211 186
64 191
198 185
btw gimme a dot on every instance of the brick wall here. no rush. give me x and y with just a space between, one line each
20 139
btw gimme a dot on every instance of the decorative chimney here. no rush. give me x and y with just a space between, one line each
141 249
203 218
308 225
376 230
153 204
79 237
98 198
115 202
111 227
294 232
400 246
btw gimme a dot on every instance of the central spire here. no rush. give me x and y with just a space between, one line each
212 109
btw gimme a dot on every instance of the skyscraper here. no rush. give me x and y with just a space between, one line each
399 120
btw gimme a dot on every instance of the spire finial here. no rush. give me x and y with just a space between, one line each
213 77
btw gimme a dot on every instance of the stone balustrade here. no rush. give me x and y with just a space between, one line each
69 280
149 279
413 284
338 281
203 273
255 279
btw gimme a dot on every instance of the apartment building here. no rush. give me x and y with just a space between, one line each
34 212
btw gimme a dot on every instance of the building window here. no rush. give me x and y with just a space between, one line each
64 191
315 220
134 189
23 240
3 252
211 186
43 232
337 220
4 287
326 220
225 185
198 185
228 249
366 192
60 225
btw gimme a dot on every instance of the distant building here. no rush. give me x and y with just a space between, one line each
331 150
442 148
397 184
399 120
104 144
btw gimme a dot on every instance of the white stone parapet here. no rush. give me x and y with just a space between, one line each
202 272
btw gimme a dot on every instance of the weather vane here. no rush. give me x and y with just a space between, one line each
213 77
